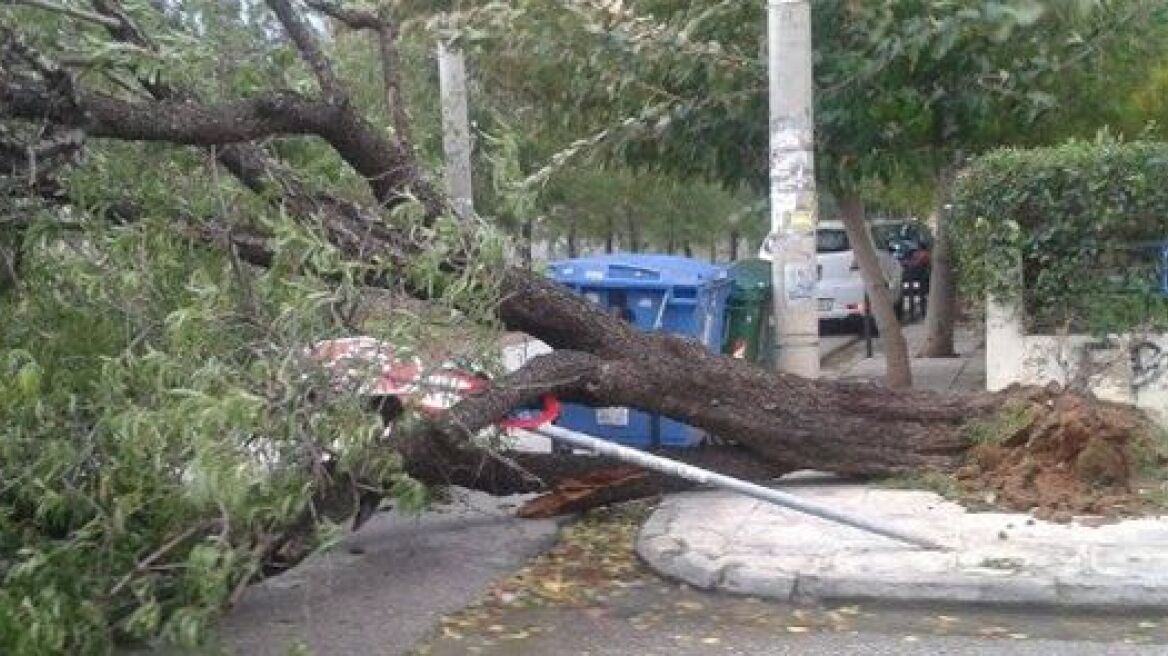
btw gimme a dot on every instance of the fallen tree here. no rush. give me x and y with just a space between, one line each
783 420
776 422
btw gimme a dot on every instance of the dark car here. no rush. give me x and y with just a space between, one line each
911 243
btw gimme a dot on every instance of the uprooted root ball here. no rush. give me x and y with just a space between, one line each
1060 454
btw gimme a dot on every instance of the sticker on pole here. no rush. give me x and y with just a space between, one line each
802 221
799 281
612 416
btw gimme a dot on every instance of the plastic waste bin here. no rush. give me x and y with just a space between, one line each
655 293
748 311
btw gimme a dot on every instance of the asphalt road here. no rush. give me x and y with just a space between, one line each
657 617
623 643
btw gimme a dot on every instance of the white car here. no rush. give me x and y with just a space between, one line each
839 289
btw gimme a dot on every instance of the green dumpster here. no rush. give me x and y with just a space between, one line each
748 312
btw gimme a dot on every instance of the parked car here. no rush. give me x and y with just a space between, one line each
840 288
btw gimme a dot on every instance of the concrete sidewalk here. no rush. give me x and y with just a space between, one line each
719 540
964 373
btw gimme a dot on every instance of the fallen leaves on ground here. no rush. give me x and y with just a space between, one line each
593 558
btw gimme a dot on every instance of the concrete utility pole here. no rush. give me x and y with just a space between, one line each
455 128
792 178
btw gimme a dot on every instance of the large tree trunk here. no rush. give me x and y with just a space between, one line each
898 373
787 420
733 239
941 313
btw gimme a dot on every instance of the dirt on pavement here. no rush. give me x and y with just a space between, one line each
1059 455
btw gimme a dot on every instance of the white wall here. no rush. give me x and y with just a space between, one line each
1125 368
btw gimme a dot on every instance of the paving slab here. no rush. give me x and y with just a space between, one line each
720 540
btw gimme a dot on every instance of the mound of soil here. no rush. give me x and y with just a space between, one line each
1065 455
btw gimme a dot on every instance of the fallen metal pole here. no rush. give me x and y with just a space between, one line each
705 477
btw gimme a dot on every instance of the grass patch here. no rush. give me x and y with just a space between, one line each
1150 460
1151 452
942 484
1014 417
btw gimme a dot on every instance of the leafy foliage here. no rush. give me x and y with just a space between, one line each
161 431
1087 221
902 87
164 438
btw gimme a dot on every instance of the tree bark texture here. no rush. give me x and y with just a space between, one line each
898 372
941 313
526 235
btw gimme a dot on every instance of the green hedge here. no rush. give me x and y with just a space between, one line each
1085 218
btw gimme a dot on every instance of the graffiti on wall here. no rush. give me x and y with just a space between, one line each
1147 359
1149 363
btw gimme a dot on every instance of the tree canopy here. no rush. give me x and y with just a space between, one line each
901 87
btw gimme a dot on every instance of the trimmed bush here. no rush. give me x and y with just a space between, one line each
1089 221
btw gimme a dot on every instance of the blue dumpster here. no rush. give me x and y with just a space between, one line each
655 293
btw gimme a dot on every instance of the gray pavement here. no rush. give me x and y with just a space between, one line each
718 540
965 373
382 590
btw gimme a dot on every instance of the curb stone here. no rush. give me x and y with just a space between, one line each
780 554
